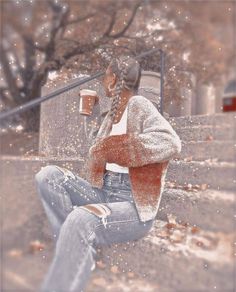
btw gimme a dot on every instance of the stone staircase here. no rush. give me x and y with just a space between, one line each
191 246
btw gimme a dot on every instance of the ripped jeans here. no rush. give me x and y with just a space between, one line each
82 218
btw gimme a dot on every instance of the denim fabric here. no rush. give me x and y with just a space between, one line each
79 231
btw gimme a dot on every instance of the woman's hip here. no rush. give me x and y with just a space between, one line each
117 187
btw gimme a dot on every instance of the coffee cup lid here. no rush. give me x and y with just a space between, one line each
88 92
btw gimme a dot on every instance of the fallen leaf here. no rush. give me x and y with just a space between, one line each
170 225
195 230
171 185
199 243
100 264
203 242
188 159
177 236
209 138
114 269
204 187
185 224
36 245
171 218
99 282
130 274
163 233
15 253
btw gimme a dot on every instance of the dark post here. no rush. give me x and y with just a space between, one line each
162 55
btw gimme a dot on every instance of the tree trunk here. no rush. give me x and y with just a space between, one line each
31 119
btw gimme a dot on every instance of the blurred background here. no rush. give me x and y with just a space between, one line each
43 38
46 45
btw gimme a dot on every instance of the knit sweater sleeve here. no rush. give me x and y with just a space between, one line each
158 142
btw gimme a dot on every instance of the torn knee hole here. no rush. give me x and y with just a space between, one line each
100 210
97 209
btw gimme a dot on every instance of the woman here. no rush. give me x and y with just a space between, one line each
120 198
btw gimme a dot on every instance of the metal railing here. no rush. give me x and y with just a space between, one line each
39 100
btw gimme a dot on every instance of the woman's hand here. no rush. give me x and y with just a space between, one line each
102 149
96 151
112 149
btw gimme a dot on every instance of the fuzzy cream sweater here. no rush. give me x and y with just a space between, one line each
146 149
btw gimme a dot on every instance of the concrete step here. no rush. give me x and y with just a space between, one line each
206 209
216 175
176 258
208 150
171 257
206 133
17 143
220 119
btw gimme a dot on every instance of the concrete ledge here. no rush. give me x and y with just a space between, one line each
208 150
209 209
217 175
206 133
221 119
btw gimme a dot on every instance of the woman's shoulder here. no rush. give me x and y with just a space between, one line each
140 101
139 98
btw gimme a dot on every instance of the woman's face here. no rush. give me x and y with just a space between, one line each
109 80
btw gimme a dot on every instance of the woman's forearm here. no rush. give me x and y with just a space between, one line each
133 150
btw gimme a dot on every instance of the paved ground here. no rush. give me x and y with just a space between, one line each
172 258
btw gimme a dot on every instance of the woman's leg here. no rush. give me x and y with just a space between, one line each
84 230
59 190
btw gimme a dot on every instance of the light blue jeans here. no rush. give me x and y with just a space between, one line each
82 218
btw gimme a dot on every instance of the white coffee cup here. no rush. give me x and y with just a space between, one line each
88 98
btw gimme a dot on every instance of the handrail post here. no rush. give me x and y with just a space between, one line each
162 71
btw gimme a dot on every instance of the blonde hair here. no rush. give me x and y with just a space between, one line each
128 73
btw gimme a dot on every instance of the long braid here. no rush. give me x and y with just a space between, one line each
122 68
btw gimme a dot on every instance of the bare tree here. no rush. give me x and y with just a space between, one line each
39 56
83 35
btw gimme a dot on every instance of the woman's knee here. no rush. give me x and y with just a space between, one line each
81 220
46 173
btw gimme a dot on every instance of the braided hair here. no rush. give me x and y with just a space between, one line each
128 73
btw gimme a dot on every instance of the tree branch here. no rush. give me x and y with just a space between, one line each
9 76
79 19
59 20
119 46
111 24
122 32
19 69
30 59
6 99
